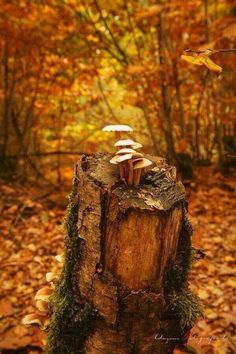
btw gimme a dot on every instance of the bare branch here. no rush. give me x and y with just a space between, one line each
210 51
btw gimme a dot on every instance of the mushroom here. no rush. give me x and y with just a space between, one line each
59 258
131 172
125 158
43 294
51 277
137 146
126 143
42 306
125 151
117 129
36 318
120 159
138 165
136 156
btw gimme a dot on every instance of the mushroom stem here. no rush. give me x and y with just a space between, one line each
118 135
122 172
137 176
131 172
126 171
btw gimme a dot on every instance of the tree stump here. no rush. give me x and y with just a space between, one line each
124 288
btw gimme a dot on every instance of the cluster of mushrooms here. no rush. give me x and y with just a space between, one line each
131 163
41 316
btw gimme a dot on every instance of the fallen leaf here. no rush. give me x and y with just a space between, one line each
231 283
203 294
5 308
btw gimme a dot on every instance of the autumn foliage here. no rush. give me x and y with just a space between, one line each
70 67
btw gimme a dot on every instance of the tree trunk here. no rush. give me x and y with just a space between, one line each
123 288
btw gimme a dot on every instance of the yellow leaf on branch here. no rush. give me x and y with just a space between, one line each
211 65
192 60
202 60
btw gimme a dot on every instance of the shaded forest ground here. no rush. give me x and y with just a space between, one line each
32 234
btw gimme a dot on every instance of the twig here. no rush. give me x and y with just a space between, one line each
211 51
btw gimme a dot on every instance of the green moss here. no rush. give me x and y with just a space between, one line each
71 319
186 306
182 303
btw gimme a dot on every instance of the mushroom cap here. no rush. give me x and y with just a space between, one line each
137 159
30 319
137 146
35 318
51 276
125 151
42 305
137 155
117 128
59 258
43 294
125 157
120 158
114 160
129 151
126 142
141 163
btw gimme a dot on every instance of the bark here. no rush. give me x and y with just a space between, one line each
131 238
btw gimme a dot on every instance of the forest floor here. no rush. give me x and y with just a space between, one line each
32 234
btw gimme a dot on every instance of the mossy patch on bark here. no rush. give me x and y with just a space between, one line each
71 318
181 301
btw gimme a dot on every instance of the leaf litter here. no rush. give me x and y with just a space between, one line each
32 236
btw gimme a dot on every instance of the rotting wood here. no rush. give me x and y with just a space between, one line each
132 238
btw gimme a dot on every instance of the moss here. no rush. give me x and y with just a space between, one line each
181 302
186 306
71 319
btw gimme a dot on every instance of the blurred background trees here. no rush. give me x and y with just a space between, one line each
69 67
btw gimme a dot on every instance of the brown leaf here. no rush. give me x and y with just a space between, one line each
5 308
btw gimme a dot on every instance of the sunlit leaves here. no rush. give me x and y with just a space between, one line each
149 12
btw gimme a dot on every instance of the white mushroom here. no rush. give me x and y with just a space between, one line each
129 143
117 129
138 165
42 306
128 158
125 151
125 143
137 146
36 318
121 159
51 277
43 294
59 258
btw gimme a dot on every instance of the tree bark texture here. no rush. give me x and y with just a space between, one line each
134 253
